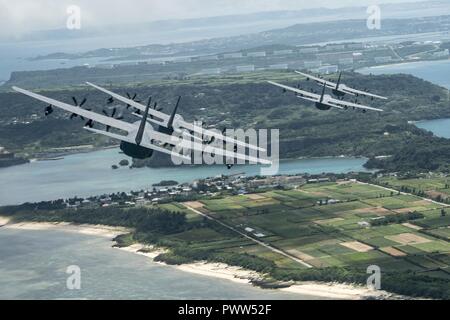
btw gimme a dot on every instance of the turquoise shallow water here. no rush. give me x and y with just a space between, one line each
434 71
440 127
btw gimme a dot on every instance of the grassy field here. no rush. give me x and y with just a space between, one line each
337 234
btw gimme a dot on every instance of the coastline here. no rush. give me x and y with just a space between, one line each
215 270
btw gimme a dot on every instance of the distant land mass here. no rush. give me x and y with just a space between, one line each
296 34
232 25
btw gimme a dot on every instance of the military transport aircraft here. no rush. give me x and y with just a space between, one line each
339 89
154 132
324 101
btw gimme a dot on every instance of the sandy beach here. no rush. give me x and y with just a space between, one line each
95 230
4 221
216 270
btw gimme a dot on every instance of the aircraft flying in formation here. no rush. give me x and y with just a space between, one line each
324 101
339 89
154 132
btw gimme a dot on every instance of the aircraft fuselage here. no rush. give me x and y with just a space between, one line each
322 106
338 93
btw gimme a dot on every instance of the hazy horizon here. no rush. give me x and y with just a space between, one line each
26 16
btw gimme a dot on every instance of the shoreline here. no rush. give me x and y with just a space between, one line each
215 270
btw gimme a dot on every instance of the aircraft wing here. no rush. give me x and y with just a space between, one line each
319 80
301 93
188 144
305 94
155 113
346 89
165 119
108 121
346 104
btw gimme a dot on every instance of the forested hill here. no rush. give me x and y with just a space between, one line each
248 101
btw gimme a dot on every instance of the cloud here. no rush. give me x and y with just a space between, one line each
22 16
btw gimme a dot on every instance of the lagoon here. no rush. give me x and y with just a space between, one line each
88 174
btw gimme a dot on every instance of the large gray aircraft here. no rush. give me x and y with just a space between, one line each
154 132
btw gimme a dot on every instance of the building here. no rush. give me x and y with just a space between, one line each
345 61
333 47
211 71
232 55
281 66
182 59
327 69
312 64
357 46
308 50
208 58
282 52
256 54
383 59
248 68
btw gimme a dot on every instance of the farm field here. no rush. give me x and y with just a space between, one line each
332 225
432 186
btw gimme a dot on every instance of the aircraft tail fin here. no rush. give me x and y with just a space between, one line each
339 81
323 92
140 132
174 112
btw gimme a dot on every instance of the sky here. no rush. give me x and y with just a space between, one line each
22 16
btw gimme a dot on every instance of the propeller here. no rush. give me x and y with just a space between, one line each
211 140
132 98
48 110
112 115
229 166
155 105
89 124
75 102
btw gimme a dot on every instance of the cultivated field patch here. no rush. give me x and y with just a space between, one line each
408 238
357 246
393 252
